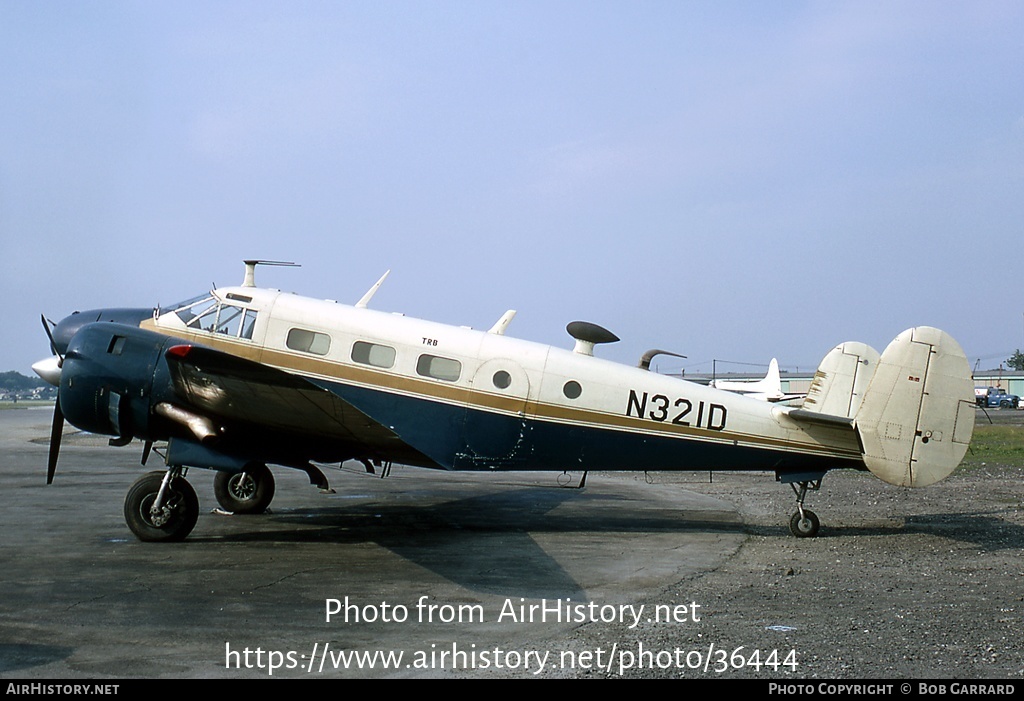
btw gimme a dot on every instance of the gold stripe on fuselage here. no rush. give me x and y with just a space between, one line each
434 390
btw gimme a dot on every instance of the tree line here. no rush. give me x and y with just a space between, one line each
14 381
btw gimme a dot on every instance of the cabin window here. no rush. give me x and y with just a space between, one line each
438 368
572 389
502 379
308 341
373 354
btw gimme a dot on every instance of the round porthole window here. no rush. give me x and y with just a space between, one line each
572 389
502 379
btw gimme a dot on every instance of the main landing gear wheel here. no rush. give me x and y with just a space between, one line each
804 525
246 492
161 507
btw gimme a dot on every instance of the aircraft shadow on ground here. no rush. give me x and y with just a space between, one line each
15 656
484 542
984 530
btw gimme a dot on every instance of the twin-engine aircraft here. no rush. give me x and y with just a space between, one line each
243 377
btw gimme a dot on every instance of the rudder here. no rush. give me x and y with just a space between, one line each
917 417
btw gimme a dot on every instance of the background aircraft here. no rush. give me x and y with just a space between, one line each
768 389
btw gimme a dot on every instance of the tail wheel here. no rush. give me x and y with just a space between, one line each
172 520
246 492
804 525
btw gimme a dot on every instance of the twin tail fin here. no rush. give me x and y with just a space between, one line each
912 406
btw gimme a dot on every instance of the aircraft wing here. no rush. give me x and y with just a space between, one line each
229 389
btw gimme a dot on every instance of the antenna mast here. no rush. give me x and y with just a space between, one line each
250 269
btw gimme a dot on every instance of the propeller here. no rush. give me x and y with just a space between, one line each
49 334
56 432
57 427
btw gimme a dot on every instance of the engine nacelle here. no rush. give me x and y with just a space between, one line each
107 383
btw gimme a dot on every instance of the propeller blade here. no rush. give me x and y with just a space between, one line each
56 431
49 335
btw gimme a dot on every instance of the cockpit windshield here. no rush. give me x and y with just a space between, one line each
207 313
183 306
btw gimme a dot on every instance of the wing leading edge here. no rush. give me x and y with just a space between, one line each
246 398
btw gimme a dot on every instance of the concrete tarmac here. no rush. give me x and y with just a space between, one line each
439 567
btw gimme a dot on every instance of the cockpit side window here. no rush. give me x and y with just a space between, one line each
248 323
204 315
229 320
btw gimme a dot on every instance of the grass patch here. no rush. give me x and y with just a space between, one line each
995 445
26 404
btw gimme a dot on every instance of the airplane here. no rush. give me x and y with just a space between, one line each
239 378
767 389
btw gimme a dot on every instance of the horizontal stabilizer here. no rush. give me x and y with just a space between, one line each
815 417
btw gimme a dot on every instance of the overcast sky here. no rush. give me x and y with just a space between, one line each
731 181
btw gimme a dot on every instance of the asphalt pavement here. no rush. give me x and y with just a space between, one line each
425 573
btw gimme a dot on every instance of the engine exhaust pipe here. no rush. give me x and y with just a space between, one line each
201 427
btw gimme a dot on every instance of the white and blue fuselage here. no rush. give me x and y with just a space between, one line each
475 400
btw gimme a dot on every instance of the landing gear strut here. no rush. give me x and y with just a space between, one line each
804 523
161 506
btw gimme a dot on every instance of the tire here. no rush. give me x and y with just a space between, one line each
247 492
806 527
181 509
1005 404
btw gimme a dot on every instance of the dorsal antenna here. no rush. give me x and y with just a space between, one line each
361 304
501 324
